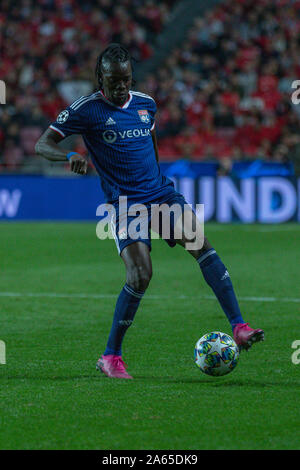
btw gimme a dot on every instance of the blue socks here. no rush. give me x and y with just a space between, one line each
126 307
217 277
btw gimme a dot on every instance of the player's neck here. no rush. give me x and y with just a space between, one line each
111 101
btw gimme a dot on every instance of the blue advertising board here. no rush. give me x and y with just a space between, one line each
265 199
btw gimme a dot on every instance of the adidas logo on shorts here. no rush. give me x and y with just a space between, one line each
226 274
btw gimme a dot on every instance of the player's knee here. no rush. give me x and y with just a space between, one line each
139 277
196 253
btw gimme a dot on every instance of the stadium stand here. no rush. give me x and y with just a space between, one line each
48 55
224 95
227 91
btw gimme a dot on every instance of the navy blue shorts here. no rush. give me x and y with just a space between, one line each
122 227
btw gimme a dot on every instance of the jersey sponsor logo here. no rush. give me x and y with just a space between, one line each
63 116
111 136
144 115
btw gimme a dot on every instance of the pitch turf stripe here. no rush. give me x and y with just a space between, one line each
57 295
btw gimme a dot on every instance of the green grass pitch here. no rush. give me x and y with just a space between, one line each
58 287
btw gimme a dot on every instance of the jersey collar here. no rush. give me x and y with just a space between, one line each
125 105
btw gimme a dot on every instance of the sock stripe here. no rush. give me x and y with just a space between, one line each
130 291
206 255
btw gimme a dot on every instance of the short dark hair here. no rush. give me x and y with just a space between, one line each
113 53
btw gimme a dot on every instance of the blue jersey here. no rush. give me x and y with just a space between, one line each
120 144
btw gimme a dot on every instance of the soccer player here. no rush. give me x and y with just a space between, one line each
118 128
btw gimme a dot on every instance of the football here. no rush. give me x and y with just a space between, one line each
216 353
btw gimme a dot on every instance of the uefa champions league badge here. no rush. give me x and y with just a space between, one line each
144 115
63 116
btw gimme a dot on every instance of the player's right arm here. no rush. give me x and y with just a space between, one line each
70 121
47 147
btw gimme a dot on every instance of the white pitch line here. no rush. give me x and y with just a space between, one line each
56 295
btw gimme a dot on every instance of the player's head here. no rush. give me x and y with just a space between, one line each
114 73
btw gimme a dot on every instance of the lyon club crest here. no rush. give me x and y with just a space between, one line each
144 115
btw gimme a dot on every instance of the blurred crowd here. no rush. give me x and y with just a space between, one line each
224 94
48 52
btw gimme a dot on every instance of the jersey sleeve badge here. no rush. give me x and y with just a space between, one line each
63 116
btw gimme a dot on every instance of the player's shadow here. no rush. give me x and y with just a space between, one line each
215 382
56 378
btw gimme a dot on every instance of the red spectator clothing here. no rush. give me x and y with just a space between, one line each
6 65
271 133
61 3
247 54
247 134
1 138
216 142
145 50
209 137
52 107
263 41
267 84
230 99
164 117
195 113
13 157
193 142
87 26
167 149
297 70
62 22
270 99
154 15
282 121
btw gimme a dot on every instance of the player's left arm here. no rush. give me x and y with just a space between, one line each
154 140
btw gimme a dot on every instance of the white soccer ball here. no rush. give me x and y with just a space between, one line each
216 353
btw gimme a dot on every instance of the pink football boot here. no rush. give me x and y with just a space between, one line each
244 336
113 366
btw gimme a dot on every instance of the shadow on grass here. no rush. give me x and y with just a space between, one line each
221 382
55 378
215 382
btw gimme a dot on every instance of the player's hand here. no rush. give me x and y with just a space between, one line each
78 164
